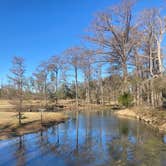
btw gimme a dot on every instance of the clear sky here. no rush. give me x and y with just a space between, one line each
38 29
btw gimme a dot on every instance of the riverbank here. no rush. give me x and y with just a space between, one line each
62 105
31 122
154 118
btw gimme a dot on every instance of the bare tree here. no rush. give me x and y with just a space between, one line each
74 59
87 61
17 77
116 34
154 28
100 82
41 76
54 66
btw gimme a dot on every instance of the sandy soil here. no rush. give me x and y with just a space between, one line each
126 113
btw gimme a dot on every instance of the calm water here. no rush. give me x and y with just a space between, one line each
93 140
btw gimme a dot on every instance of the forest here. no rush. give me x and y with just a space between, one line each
122 60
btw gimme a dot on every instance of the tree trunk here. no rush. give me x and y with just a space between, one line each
45 92
77 129
102 92
76 86
151 93
159 56
56 86
150 63
125 75
87 91
20 104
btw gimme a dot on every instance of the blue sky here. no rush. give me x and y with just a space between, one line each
38 29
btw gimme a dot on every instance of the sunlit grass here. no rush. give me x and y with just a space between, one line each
31 122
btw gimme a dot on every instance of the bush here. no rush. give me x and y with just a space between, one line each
126 99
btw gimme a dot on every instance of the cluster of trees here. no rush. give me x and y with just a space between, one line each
124 57
132 44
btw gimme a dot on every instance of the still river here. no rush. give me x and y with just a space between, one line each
91 139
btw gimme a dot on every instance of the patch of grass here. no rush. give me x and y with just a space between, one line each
10 127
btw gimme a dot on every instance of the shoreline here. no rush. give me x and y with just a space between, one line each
154 119
30 124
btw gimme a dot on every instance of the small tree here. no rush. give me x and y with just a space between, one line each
17 77
125 99
64 92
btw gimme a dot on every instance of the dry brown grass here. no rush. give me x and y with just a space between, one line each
126 113
67 105
31 122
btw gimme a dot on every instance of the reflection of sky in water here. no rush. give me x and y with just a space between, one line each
132 139
98 140
164 139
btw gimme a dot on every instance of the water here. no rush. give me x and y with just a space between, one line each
98 139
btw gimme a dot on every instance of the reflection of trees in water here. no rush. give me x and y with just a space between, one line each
67 148
100 135
136 146
20 151
57 129
123 145
151 149
45 145
77 132
92 139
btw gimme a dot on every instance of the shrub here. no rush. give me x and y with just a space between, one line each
125 99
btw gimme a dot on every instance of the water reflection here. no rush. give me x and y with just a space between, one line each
20 152
87 139
164 139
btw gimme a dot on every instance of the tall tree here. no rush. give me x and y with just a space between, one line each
54 67
154 28
17 77
86 64
116 34
41 76
74 58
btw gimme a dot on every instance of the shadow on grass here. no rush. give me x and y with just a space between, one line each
9 131
4 127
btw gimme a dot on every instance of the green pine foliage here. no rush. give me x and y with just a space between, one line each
126 99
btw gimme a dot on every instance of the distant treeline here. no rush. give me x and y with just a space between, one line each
122 59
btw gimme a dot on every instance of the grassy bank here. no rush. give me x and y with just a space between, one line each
154 118
62 105
31 122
